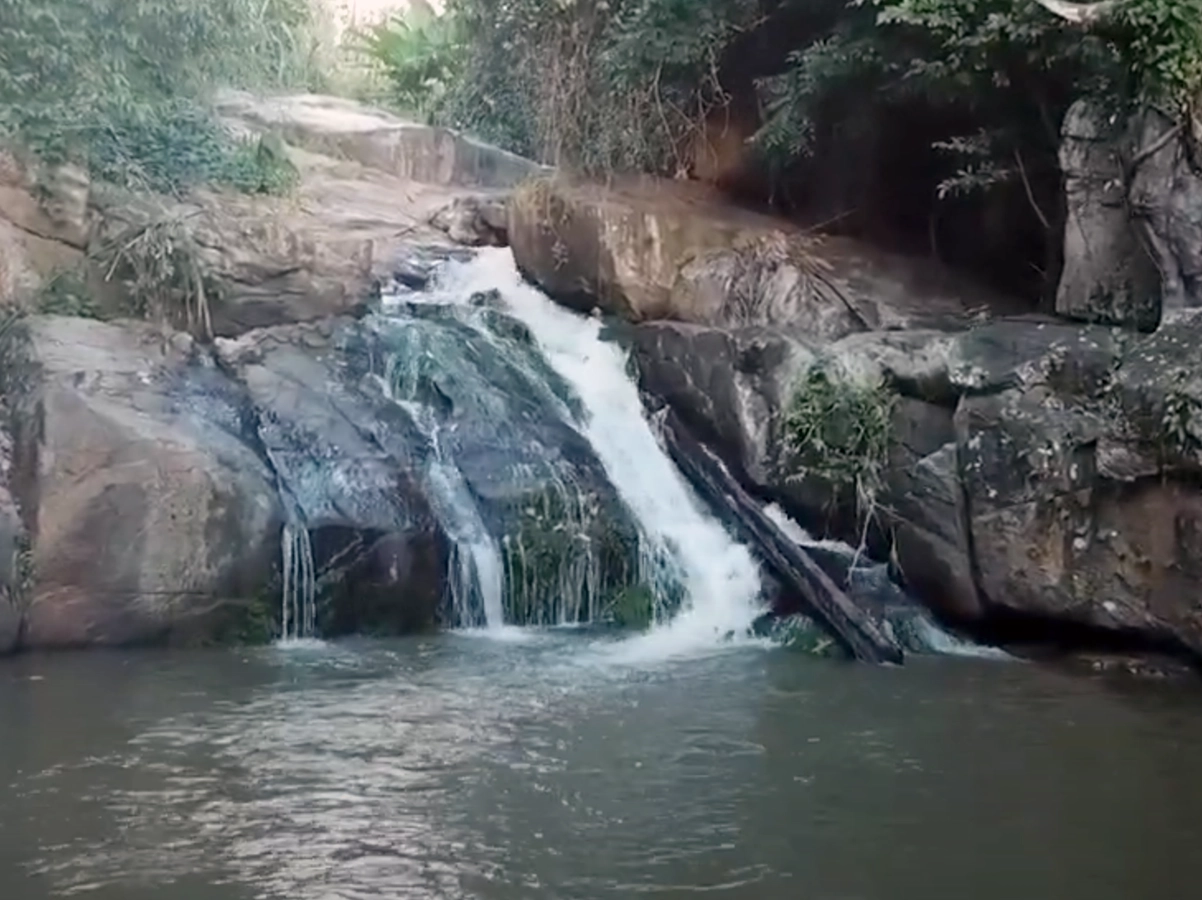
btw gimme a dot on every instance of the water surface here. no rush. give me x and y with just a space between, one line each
539 767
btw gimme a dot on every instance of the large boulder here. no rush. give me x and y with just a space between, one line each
652 250
728 385
149 519
434 431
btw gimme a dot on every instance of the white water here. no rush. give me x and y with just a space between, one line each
720 579
936 639
298 613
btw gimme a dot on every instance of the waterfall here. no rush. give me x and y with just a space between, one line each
298 607
684 549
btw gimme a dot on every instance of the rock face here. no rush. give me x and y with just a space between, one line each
346 462
1109 276
377 140
1166 204
12 558
1038 470
115 474
411 456
666 250
1134 227
220 263
43 226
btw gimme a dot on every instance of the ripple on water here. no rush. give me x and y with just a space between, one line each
454 766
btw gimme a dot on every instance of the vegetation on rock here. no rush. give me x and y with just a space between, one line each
838 431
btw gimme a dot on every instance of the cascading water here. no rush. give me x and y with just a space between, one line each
298 606
475 571
909 623
684 549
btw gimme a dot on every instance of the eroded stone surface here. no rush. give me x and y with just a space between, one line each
652 250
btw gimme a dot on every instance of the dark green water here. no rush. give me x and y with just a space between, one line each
464 767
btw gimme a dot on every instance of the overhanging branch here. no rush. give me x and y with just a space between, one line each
1085 14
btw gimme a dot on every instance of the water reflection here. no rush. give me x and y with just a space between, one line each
461 768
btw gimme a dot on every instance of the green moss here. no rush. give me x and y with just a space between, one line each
568 555
65 293
262 167
251 621
633 607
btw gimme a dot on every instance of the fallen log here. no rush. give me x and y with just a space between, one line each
827 604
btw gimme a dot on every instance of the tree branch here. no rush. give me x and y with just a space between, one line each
1085 14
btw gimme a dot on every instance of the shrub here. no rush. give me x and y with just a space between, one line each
122 86
839 431
421 55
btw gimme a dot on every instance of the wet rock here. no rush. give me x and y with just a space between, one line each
347 462
926 512
1037 470
13 560
147 514
652 250
729 386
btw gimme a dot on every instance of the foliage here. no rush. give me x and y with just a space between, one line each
250 621
1161 44
598 86
421 54
121 85
1179 418
261 167
65 293
839 431
1006 68
633 607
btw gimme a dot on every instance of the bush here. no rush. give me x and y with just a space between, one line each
839 431
421 55
605 85
597 86
122 86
